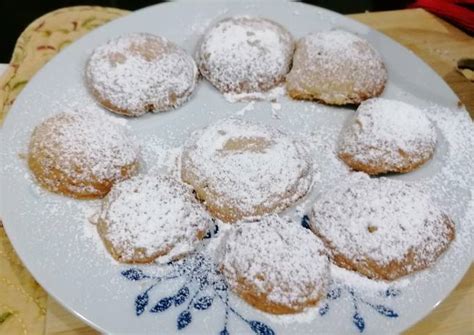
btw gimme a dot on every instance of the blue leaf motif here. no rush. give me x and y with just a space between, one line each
209 234
181 296
323 310
334 293
385 311
141 302
358 321
260 328
184 319
220 285
392 292
162 305
203 303
305 221
134 274
224 332
203 282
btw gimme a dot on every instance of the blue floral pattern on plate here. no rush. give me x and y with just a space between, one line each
357 319
210 286
204 286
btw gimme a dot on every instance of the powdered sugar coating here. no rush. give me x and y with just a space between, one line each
81 154
147 217
383 228
245 54
138 73
336 67
242 169
275 265
387 136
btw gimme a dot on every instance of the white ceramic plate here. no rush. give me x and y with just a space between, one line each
52 237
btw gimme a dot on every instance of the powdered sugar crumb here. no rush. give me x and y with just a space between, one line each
275 108
270 95
354 280
249 107
159 157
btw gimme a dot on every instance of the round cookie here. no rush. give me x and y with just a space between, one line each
138 73
387 136
150 217
275 265
245 54
381 228
81 155
241 169
335 67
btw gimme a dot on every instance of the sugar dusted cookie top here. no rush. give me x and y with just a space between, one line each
276 265
150 217
138 73
81 154
242 169
337 68
382 228
245 54
387 136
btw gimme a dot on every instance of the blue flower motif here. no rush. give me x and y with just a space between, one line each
162 305
357 318
305 221
224 332
212 233
181 296
205 286
359 322
385 311
134 274
261 328
334 294
391 292
324 309
202 276
203 303
141 302
184 319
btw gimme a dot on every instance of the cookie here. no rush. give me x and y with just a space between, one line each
138 73
81 154
245 54
148 218
387 136
381 228
275 265
337 68
241 169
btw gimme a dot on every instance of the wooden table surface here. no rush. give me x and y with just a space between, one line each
440 45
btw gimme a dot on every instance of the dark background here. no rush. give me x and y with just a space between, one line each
15 15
